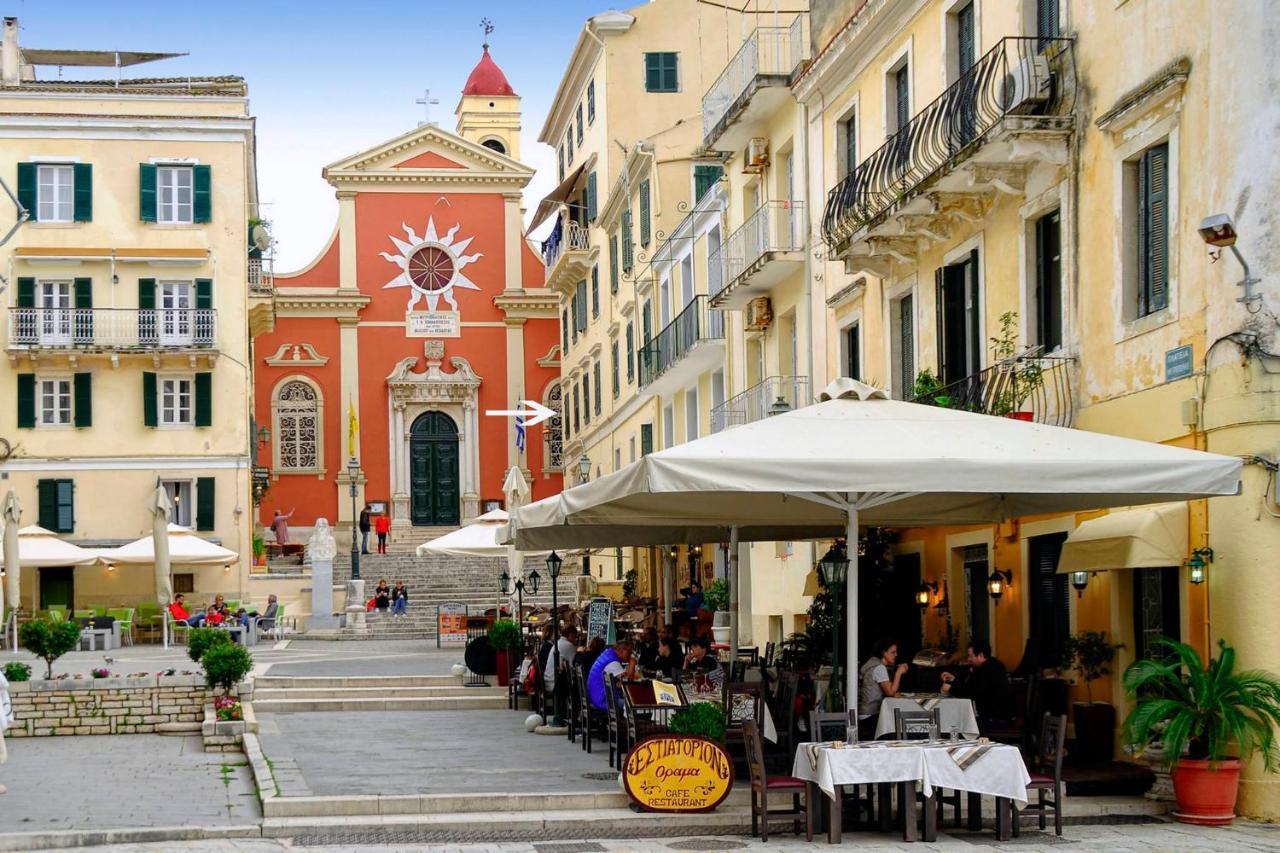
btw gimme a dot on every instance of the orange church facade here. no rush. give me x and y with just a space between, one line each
425 311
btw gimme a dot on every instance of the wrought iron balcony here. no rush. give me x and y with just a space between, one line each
566 254
696 324
1020 84
759 254
260 277
755 403
115 329
1031 387
766 59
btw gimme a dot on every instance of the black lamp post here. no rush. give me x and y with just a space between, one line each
553 569
833 571
353 469
584 475
504 584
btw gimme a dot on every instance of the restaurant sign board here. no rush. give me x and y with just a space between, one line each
678 773
600 620
451 624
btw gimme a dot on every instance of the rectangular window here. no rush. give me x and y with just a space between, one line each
175 195
661 72
632 443
580 295
1049 600
1153 229
853 352
904 347
901 97
180 496
579 125
560 163
56 319
568 147
705 176
595 293
848 132
175 401
966 39
631 352
55 187
596 373
55 402
574 305
669 426
615 369
959 320
564 332
627 248
646 439
577 426
586 398
1047 26
613 263
57 505
645 223
1048 284
591 102
691 414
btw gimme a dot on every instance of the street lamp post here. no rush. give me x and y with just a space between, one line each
584 476
504 583
353 468
833 569
553 569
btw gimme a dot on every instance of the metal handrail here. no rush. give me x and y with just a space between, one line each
696 323
1031 77
113 328
754 403
260 276
775 51
1038 386
776 226
572 238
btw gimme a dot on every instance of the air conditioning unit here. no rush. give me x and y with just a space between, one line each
1026 87
757 153
759 314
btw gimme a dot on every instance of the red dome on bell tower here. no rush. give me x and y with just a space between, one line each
487 78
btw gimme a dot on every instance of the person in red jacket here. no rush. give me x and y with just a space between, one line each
382 527
179 613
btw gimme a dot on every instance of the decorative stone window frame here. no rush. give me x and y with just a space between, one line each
277 465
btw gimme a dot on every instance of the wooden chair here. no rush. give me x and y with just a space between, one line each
784 713
917 725
1046 774
567 682
762 785
617 726
591 720
839 725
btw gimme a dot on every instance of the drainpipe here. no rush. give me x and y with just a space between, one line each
808 254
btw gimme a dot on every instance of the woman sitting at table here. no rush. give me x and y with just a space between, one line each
875 685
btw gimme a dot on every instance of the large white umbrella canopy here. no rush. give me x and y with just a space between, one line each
477 539
39 548
857 457
185 548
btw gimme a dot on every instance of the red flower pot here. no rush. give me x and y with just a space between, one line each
1022 416
1206 794
504 667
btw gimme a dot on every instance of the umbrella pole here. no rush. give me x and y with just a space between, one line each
851 611
733 595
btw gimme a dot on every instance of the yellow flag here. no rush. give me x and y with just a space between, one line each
353 425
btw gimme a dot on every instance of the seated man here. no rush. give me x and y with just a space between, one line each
267 619
987 684
612 661
178 612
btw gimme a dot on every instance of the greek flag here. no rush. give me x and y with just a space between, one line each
520 433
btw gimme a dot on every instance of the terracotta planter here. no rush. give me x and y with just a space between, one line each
1095 731
1206 795
1021 416
504 667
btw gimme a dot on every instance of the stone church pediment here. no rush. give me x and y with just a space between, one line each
434 384
428 152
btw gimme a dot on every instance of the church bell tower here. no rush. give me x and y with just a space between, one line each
489 111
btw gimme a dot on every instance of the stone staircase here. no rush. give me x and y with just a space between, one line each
286 694
433 579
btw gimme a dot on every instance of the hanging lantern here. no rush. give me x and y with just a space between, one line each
1079 580
997 581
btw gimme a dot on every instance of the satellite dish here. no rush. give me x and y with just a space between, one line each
261 237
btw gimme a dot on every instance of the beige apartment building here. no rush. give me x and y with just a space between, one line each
131 285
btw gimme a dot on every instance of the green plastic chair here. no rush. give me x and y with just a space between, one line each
233 604
147 615
84 614
101 611
124 618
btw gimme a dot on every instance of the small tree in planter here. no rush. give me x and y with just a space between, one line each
200 640
1090 654
1204 710
49 640
504 638
226 665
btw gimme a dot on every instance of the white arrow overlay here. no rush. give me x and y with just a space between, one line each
535 414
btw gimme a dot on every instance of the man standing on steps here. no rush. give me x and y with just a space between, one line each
365 528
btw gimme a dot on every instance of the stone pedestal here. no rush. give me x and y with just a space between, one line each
322 617
354 622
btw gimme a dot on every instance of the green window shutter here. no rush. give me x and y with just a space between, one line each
26 292
939 277
204 293
83 179
671 69
47 495
27 196
595 292
661 72
82 322
1153 196
613 263
148 333
204 399
652 73
596 372
150 417
704 178
83 399
646 439
564 331
591 197
147 294
147 192
204 503
202 194
26 400
64 505
83 288
644 213
627 256
614 371
631 352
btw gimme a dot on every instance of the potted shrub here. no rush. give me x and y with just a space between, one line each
1090 655
259 551
1204 711
200 640
701 719
716 599
504 638
1021 379
928 390
16 671
226 665
49 640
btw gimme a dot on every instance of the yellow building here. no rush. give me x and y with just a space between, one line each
130 291
1012 193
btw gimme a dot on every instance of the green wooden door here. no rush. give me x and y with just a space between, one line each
57 588
433 470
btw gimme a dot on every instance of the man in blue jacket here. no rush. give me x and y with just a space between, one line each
613 661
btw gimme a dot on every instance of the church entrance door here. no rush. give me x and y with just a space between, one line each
433 470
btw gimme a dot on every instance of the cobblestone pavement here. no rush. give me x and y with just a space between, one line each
106 781
1243 836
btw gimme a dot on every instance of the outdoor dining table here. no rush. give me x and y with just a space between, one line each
103 639
972 766
953 714
248 634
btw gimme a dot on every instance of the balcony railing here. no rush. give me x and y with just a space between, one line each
260 277
568 236
778 226
754 403
696 323
1023 77
769 51
112 328
1029 386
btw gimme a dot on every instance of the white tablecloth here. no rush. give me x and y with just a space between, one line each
957 713
999 773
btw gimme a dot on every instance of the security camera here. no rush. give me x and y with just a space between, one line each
1218 230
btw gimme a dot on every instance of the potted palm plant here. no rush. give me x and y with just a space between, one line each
1203 711
1090 654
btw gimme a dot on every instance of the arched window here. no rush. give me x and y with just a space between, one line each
298 427
553 431
495 145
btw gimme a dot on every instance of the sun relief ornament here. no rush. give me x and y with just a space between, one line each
431 266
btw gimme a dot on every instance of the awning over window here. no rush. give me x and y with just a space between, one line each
559 195
1147 537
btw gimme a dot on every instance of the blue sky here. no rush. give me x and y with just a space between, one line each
328 79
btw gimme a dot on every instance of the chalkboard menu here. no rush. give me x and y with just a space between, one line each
600 620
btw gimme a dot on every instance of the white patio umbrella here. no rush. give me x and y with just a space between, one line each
34 547
857 457
476 539
12 517
181 547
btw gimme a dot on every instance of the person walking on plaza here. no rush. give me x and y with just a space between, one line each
6 720
280 526
399 599
383 527
365 527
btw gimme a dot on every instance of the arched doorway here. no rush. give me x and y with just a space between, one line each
433 470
